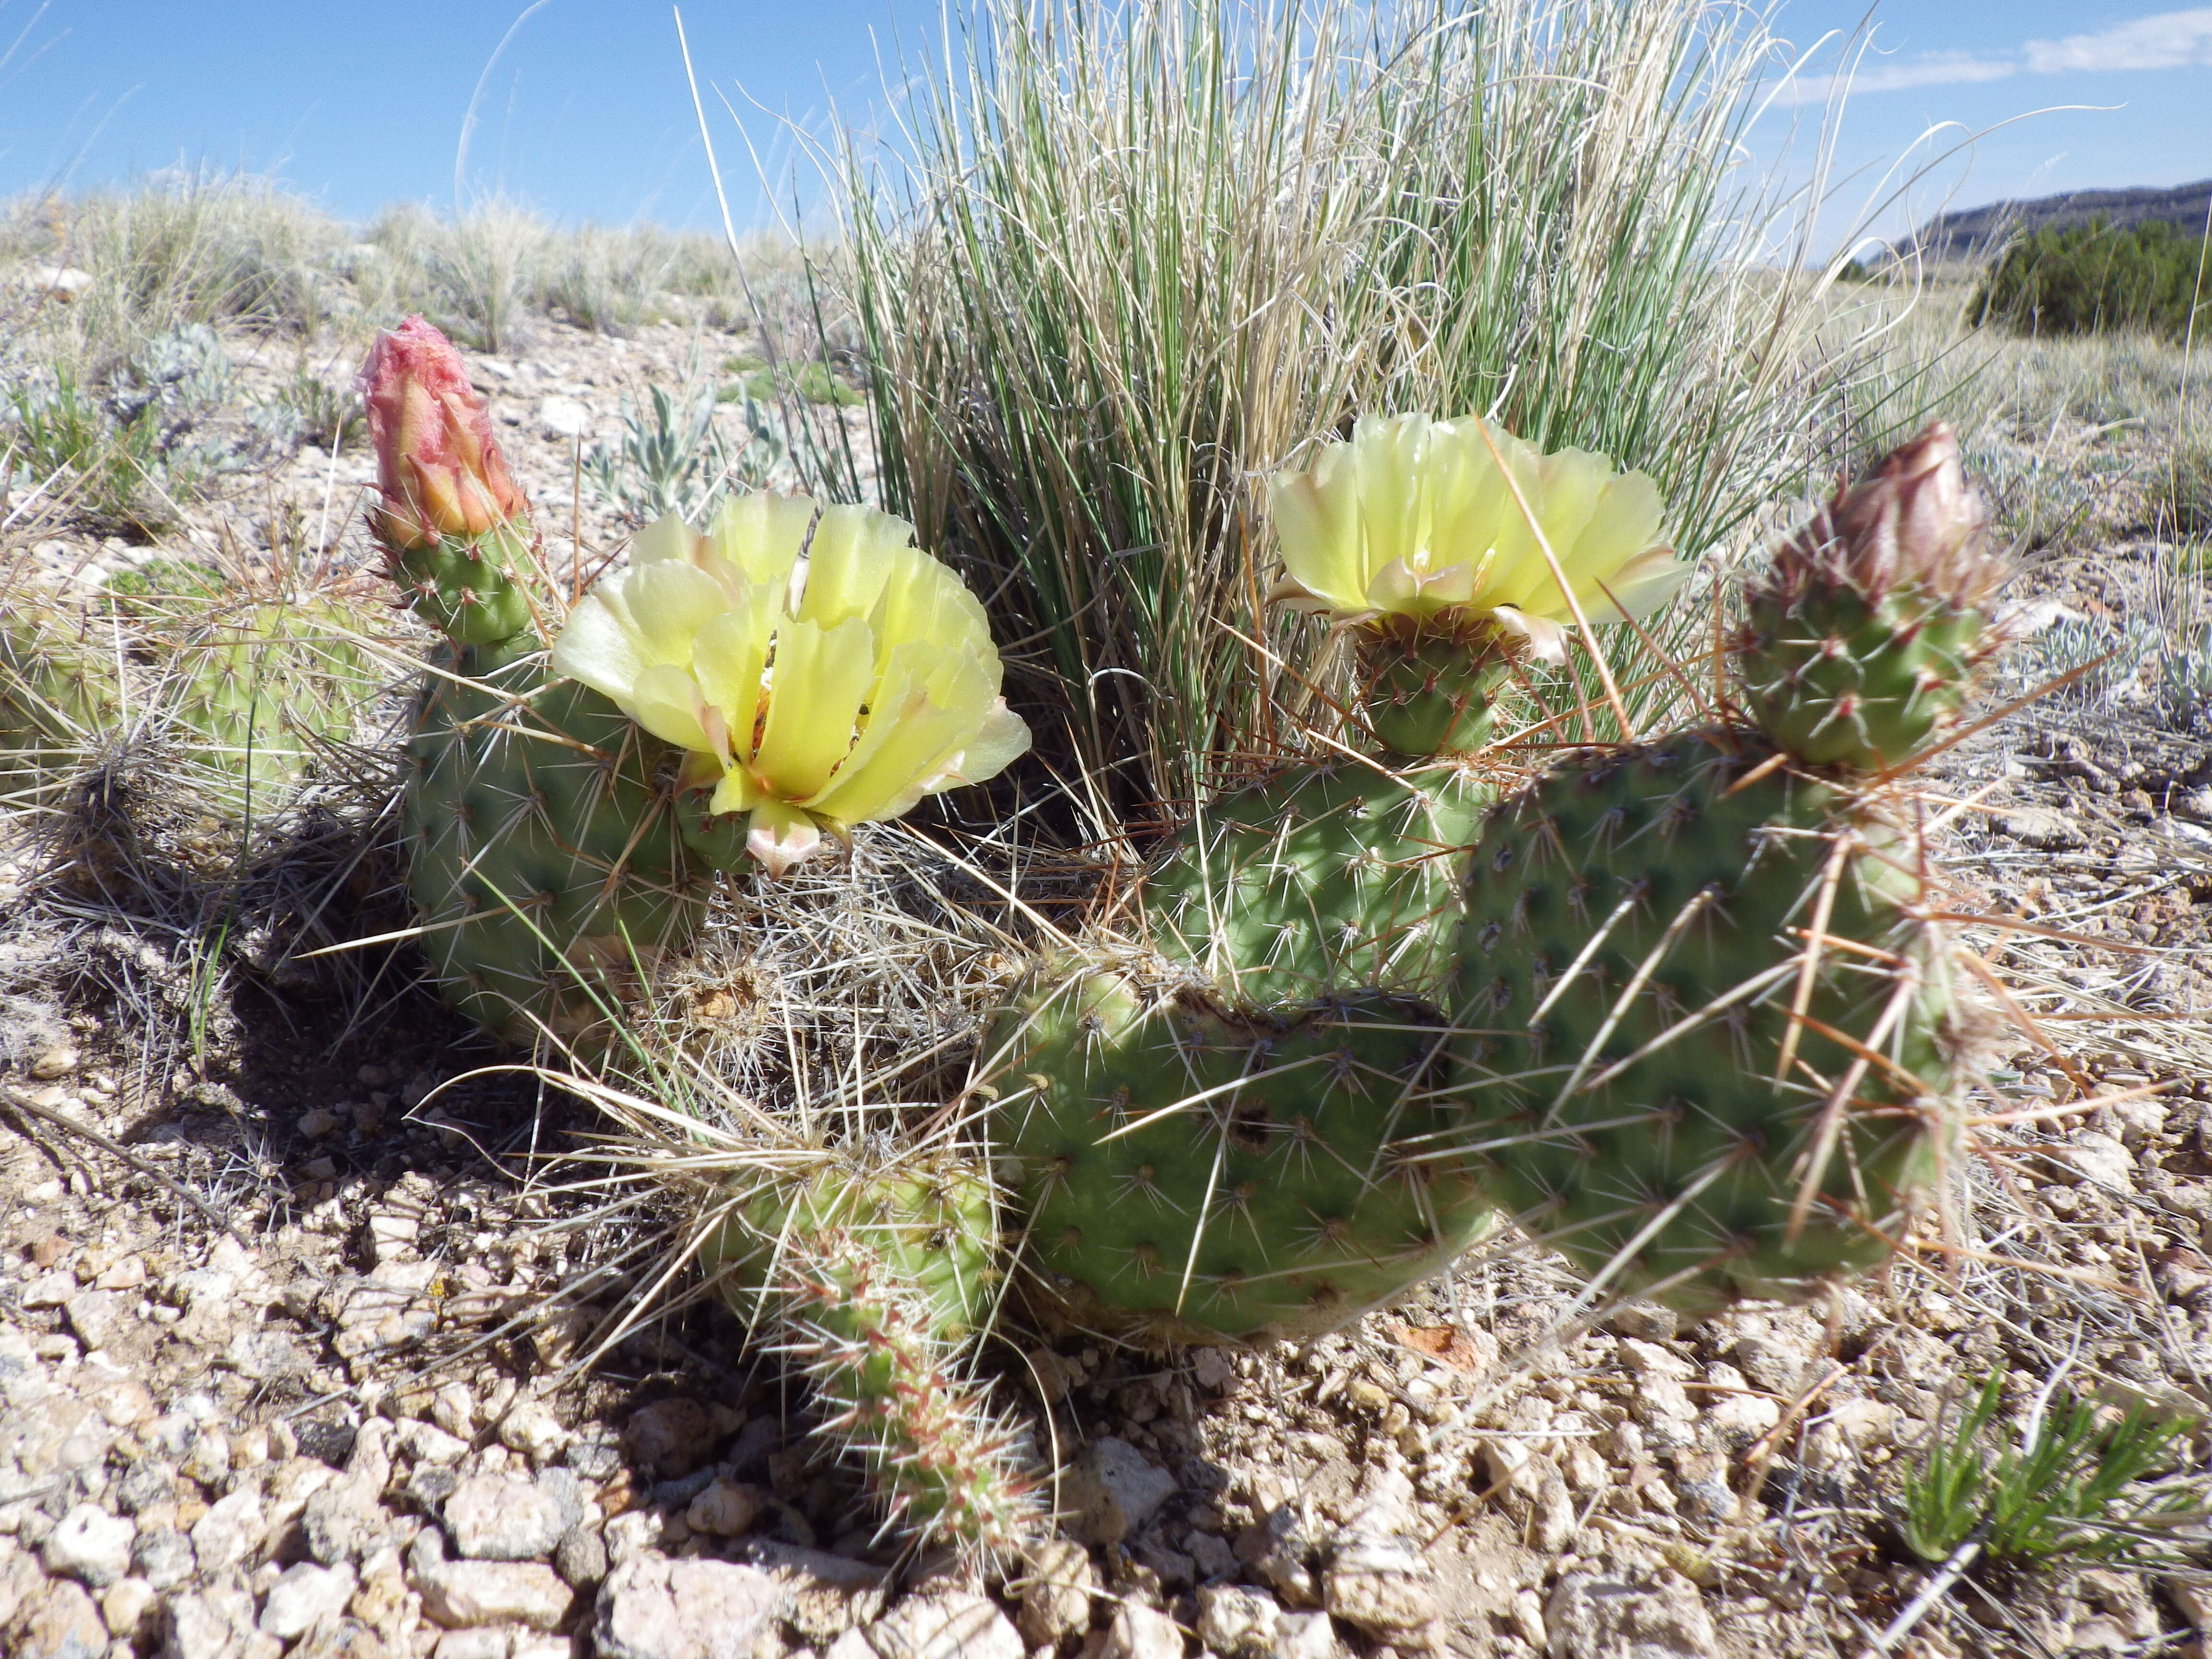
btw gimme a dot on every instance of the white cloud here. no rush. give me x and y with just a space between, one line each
2167 39
2171 39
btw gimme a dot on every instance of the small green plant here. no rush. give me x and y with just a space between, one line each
307 408
2064 1489
671 458
113 473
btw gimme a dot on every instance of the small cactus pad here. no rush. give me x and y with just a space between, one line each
1321 880
1430 687
1860 642
59 676
1843 678
1628 970
545 853
1195 1174
875 1280
473 589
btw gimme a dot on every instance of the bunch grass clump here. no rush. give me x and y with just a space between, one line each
1140 255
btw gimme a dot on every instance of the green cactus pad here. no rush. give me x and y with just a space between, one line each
1839 678
874 1279
263 690
473 590
1321 880
1195 1174
1662 882
59 680
546 854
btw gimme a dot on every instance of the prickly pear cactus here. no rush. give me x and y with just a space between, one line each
876 1281
1862 642
1709 1045
1325 879
263 690
59 671
1650 1095
1192 1172
546 842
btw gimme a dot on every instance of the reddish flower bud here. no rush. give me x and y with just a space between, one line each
1913 522
438 466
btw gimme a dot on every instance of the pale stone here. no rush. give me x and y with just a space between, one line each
656 1608
958 1625
1113 1490
1590 1617
1056 1593
468 1593
1381 1586
91 1544
1238 1622
305 1596
1141 1632
494 1519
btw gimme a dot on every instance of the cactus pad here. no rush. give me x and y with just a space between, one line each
1322 880
1197 1173
876 1279
545 852
1627 974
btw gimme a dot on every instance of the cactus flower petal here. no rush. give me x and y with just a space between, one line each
813 693
1418 518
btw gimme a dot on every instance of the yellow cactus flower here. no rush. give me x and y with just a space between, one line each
1415 517
813 693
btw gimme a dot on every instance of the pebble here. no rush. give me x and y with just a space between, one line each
1113 1490
581 1559
61 1623
563 418
1281 1551
722 1507
533 1429
231 1530
1238 1622
1141 1632
209 1624
91 1544
466 1593
124 1607
1056 1595
955 1625
1311 1636
656 1608
2103 1160
163 1557
304 1597
492 1518
1590 1617
824 1596
1381 1586
670 1436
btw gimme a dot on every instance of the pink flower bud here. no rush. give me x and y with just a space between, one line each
1912 522
438 466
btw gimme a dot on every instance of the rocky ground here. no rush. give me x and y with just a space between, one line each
293 1339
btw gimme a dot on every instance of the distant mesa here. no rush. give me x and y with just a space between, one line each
1972 233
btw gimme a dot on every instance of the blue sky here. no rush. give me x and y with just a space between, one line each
583 111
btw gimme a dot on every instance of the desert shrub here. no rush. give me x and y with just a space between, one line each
2094 278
